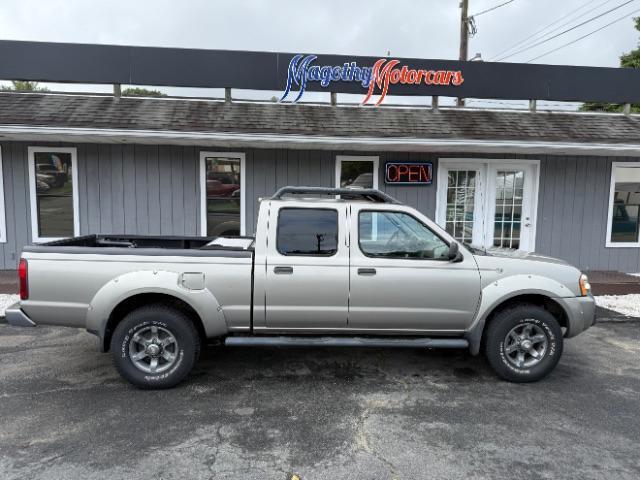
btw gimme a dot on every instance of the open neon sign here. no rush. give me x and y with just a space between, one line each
409 173
377 79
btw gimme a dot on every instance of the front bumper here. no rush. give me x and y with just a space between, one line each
581 314
16 317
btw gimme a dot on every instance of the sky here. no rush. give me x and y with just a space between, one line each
405 28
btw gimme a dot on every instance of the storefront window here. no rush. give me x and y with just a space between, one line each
223 195
357 172
53 212
624 210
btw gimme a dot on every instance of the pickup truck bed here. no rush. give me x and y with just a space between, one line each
143 241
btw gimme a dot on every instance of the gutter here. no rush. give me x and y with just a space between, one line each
295 141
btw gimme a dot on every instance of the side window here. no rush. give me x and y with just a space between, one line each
398 235
305 231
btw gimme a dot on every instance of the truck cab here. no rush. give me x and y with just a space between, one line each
357 266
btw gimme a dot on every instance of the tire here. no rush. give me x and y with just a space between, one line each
506 343
176 346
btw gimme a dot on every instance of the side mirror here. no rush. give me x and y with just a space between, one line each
454 252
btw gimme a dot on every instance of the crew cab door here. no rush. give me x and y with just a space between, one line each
307 276
401 277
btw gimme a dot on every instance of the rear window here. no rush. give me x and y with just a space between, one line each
306 231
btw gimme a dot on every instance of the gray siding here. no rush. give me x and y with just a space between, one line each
144 189
139 189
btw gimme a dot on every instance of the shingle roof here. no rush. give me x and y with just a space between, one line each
106 112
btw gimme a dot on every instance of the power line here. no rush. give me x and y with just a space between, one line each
584 36
535 34
491 9
548 39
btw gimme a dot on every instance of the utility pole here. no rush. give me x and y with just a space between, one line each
464 36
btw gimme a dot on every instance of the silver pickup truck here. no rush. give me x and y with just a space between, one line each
327 267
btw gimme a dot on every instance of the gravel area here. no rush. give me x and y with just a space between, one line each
5 301
624 304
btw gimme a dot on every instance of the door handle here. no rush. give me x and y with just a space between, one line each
283 270
366 271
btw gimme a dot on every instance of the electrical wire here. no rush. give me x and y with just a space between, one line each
584 36
543 41
491 9
538 32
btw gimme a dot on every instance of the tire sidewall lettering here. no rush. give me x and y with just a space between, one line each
551 350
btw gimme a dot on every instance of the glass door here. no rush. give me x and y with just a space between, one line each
509 214
490 204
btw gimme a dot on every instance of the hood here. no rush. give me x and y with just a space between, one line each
517 254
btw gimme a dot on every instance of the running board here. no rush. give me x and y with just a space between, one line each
302 341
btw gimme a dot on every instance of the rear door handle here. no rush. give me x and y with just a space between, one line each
283 270
366 271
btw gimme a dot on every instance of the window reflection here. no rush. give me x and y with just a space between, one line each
356 174
303 231
54 194
223 195
398 235
626 205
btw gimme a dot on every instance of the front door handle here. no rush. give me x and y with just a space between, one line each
283 270
366 271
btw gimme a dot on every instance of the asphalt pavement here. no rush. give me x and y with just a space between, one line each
319 413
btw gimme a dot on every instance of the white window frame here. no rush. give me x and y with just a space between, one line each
357 158
32 190
612 188
486 184
203 188
3 219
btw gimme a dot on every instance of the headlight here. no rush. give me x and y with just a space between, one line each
585 286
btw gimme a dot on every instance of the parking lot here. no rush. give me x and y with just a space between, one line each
319 413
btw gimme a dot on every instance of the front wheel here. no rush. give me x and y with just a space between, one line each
523 343
155 346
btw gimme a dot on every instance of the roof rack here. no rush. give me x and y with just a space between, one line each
370 194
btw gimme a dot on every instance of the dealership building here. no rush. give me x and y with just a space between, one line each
564 184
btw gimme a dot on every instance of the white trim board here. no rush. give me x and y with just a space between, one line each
275 140
203 188
3 218
357 158
32 190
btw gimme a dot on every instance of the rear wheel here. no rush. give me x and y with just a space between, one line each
155 346
523 343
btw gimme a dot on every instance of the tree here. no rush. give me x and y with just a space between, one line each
142 92
628 60
23 86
